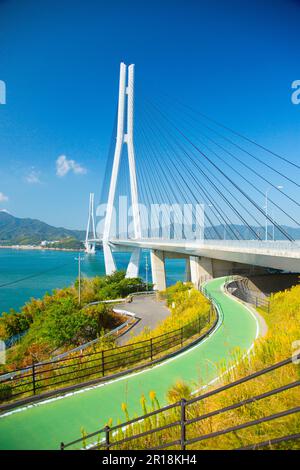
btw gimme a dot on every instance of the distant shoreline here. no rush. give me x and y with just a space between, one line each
39 248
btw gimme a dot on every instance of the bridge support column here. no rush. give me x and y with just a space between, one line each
158 269
222 267
188 270
109 262
201 269
90 247
134 263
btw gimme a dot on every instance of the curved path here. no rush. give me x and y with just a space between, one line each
44 425
149 310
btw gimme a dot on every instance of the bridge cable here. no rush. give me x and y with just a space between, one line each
229 179
193 178
244 164
248 181
172 99
165 178
179 187
227 201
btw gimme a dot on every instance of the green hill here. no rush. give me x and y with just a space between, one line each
14 230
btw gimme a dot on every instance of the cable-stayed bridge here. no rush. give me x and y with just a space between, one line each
181 184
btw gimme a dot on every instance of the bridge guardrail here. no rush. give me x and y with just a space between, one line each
270 244
115 437
275 245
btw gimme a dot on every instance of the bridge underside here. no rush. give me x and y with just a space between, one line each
198 268
214 259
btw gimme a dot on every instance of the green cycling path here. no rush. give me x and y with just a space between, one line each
45 425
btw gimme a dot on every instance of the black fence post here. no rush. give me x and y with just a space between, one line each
102 359
151 349
62 446
181 335
182 423
107 442
199 324
33 377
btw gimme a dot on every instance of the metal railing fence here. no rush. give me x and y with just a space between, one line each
107 437
76 369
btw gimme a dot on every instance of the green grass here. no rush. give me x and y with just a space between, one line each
187 320
57 322
283 329
45 426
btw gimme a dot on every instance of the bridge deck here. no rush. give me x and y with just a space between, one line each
273 254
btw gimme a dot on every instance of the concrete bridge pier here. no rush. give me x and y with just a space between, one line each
223 267
201 269
198 269
188 276
134 264
90 247
158 269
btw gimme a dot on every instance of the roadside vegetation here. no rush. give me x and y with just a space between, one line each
284 327
57 322
186 305
189 317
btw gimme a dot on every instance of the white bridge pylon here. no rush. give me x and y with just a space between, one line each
90 246
126 96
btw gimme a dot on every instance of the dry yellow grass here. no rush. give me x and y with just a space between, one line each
186 305
284 329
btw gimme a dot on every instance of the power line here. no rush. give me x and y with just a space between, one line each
40 273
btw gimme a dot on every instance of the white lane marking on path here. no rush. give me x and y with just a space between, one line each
219 376
246 353
125 377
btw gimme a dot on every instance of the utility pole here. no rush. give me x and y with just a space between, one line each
146 267
266 209
273 226
79 259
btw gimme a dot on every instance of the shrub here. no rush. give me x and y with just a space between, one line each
284 326
57 321
5 391
186 304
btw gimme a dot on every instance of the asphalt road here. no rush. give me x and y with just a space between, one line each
150 311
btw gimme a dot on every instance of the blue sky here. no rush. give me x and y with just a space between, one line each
235 60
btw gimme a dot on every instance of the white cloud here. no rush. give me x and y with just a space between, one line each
33 177
3 198
64 166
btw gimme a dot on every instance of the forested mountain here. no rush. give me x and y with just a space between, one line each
14 230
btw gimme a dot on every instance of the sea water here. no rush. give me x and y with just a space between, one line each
32 273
